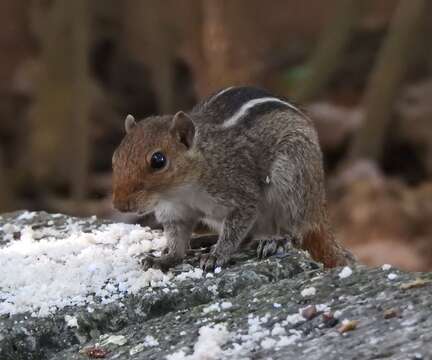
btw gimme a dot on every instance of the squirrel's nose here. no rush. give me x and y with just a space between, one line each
123 205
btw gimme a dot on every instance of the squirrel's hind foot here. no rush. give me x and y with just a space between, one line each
270 247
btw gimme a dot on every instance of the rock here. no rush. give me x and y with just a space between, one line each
251 309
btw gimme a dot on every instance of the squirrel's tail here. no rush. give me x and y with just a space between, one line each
323 247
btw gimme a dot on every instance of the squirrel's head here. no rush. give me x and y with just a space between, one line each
152 160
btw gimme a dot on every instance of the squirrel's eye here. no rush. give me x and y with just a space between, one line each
158 160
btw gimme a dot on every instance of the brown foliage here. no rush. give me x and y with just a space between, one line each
385 221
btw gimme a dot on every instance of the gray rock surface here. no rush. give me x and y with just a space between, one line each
256 301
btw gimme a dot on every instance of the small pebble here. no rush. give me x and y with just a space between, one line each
392 276
95 352
346 272
391 313
310 312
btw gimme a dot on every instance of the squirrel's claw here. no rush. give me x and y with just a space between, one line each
164 262
147 261
271 247
209 262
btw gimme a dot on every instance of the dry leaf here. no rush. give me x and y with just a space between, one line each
348 325
95 352
414 284
391 313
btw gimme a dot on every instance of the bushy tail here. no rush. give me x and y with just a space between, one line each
323 247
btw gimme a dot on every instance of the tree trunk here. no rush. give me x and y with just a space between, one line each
59 134
389 70
150 38
81 95
329 51
5 191
216 44
229 57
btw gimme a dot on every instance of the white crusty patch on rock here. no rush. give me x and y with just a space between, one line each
259 334
196 273
71 321
310 291
392 276
107 339
49 269
27 215
386 267
208 345
217 307
345 272
150 341
293 319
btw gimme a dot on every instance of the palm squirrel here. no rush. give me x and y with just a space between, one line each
246 163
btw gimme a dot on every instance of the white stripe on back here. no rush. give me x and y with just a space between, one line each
233 120
214 97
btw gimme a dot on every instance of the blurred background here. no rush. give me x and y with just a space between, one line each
70 71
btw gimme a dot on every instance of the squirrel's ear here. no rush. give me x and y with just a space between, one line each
183 128
130 123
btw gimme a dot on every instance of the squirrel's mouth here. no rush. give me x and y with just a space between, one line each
144 212
146 208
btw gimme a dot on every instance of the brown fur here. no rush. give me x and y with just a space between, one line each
133 178
323 247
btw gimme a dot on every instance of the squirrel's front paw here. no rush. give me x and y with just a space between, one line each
164 262
209 262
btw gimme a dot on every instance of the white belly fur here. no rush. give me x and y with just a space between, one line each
191 201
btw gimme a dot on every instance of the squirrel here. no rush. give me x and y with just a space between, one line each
243 161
